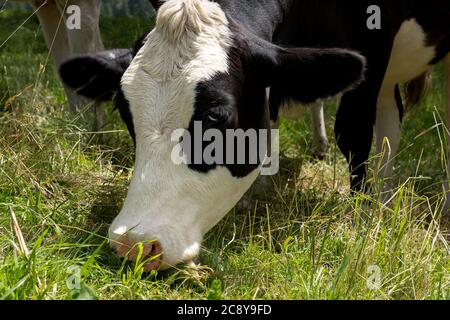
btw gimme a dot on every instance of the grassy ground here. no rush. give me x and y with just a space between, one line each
307 238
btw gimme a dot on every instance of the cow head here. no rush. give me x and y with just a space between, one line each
197 66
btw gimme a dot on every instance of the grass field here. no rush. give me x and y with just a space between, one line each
306 238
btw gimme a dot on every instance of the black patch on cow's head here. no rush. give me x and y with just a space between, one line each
227 102
232 101
123 106
237 99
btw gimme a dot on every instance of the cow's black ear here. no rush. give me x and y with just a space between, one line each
306 74
96 76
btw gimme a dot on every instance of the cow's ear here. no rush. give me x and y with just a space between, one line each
96 76
306 74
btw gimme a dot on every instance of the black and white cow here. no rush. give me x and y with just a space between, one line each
213 61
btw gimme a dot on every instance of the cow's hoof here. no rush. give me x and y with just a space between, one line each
320 149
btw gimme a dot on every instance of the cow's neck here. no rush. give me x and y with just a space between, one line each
270 15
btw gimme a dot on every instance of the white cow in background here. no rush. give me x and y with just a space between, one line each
64 42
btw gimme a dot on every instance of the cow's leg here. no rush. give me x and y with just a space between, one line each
354 132
100 116
356 115
53 27
447 118
87 38
320 141
388 132
355 122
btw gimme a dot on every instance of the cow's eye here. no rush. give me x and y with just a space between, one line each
216 116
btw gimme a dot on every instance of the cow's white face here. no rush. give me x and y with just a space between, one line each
171 203
198 65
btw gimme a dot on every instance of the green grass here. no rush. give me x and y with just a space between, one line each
305 238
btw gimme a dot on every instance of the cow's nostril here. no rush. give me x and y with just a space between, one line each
149 252
155 257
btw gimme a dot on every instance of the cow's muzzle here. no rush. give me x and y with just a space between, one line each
149 253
